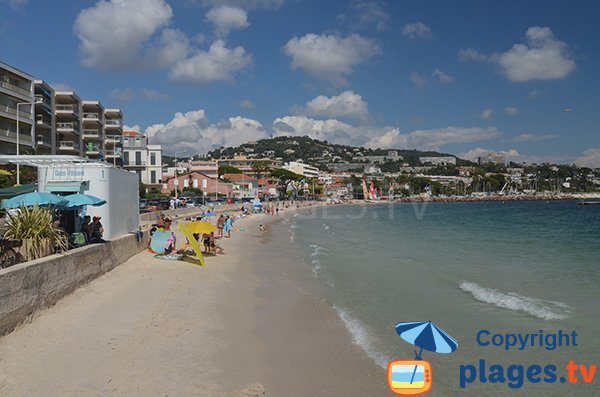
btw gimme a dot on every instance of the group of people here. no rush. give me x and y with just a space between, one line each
93 229
224 225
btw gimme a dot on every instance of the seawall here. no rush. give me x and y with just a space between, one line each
35 285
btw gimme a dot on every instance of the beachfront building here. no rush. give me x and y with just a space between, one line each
67 111
392 155
45 124
113 128
93 129
195 180
300 168
244 186
206 167
16 95
438 160
325 178
143 159
493 158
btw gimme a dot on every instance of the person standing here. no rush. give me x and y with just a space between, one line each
228 225
221 225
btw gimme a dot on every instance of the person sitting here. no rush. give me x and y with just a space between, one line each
96 230
171 240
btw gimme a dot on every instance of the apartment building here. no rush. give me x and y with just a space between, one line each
143 159
16 95
302 169
45 123
92 119
244 164
68 114
113 128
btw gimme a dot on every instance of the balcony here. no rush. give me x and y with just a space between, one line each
113 140
91 118
113 124
114 153
67 127
68 146
92 150
39 99
43 122
91 134
43 140
7 82
67 110
138 164
23 116
11 136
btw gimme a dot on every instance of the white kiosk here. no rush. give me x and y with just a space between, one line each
72 174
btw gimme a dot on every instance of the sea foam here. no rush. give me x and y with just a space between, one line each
539 308
361 336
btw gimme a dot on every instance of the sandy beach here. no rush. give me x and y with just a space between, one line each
249 323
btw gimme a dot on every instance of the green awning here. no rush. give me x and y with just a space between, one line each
69 187
11 192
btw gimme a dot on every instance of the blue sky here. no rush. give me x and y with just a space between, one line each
463 77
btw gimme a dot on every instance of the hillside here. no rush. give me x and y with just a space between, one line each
318 153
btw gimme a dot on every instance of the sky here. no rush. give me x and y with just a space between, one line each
463 77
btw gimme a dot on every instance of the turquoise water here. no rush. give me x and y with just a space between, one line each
514 267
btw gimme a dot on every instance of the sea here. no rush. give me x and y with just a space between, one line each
481 271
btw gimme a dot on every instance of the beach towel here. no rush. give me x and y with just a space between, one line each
160 241
170 257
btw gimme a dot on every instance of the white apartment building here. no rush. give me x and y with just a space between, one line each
143 159
16 95
439 160
68 110
45 124
93 129
302 169
207 167
113 128
325 178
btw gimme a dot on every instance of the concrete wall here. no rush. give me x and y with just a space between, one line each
29 287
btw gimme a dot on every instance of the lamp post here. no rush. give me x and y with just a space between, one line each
176 181
37 100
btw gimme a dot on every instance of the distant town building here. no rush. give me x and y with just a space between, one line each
206 167
244 163
439 160
196 180
494 158
325 178
302 169
392 155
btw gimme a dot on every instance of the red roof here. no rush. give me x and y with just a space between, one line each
132 133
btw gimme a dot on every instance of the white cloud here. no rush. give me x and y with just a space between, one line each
227 18
417 30
135 128
370 13
469 54
247 104
336 131
245 4
487 114
510 155
533 137
442 77
543 57
153 95
329 57
589 158
219 63
113 34
347 104
171 46
511 111
193 133
122 94
418 80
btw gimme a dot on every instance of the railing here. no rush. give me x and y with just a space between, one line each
66 126
10 110
68 145
138 164
92 116
112 123
5 83
114 153
91 134
23 138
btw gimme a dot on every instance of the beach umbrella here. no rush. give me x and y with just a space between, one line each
80 200
197 227
426 335
33 198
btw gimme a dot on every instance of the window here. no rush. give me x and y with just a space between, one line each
152 159
138 158
139 174
126 157
152 176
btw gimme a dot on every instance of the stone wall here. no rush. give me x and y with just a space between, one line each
31 286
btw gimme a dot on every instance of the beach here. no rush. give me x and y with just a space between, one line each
251 322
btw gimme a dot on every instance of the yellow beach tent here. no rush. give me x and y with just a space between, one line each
197 227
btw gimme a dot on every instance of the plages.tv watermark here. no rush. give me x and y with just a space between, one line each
515 376
380 210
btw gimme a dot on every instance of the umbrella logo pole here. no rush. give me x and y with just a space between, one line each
417 357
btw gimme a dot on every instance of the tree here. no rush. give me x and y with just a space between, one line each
260 166
286 179
229 169
142 190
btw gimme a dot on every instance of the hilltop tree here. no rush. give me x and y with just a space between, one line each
286 179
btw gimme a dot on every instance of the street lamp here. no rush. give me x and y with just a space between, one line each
37 100
176 181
